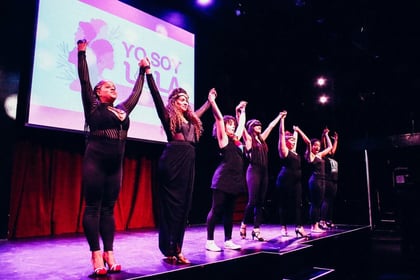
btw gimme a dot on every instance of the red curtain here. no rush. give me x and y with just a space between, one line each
46 193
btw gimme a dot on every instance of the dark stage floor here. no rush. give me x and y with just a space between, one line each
347 252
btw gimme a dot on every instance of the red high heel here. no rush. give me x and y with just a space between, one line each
110 261
98 264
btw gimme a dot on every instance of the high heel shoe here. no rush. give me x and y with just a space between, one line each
180 259
98 264
323 225
109 260
242 231
300 232
283 231
257 234
330 225
316 229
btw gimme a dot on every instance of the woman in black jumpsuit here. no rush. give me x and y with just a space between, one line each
103 159
256 176
289 180
331 185
315 158
183 129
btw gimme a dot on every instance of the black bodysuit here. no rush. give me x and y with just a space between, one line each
103 157
289 190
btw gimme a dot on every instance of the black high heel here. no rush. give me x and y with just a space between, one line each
323 225
257 235
301 232
242 231
331 225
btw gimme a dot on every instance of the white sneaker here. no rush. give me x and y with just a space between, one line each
230 245
211 246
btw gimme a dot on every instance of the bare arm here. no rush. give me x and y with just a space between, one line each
270 127
334 147
308 154
241 117
295 135
221 135
328 149
206 104
282 147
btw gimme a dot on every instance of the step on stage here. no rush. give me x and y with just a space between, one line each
339 253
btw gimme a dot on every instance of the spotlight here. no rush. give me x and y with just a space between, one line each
239 10
321 82
323 99
204 3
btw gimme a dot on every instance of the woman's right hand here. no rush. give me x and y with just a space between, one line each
144 62
81 45
283 114
212 95
241 106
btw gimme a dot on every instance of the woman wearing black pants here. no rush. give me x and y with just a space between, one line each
103 159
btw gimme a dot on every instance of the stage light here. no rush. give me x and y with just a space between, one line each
323 99
321 82
204 3
239 10
10 105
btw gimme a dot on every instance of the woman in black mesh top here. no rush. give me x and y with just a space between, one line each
183 129
107 126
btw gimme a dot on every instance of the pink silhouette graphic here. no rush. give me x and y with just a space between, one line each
102 49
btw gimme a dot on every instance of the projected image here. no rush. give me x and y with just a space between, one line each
118 36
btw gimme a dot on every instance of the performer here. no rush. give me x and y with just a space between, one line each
289 180
183 129
331 185
315 158
229 177
256 176
107 127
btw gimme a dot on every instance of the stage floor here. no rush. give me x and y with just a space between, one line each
68 257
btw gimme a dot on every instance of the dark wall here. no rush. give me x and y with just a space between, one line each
244 60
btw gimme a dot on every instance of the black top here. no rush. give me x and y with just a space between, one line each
101 118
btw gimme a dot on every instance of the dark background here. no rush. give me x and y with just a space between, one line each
270 56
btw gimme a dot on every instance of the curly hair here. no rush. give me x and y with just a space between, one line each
177 116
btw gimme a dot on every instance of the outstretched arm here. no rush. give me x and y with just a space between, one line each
206 104
282 147
130 103
270 127
241 117
157 99
308 154
334 147
221 135
88 96
328 149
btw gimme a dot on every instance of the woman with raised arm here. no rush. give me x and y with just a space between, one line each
331 184
229 177
107 125
176 168
256 176
289 180
316 183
